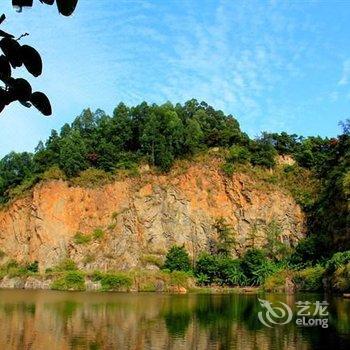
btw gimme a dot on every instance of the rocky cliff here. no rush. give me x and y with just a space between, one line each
142 217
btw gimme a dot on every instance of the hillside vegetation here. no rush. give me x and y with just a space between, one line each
96 146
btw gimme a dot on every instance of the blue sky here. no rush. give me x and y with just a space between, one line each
274 65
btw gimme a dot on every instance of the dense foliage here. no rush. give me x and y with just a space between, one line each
177 259
95 146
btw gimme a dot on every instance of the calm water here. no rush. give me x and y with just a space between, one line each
58 320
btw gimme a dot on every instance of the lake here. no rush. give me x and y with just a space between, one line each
79 320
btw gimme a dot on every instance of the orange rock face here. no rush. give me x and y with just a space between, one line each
143 217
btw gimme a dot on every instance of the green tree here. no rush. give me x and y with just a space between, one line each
226 240
263 152
193 136
275 248
73 154
177 259
255 266
239 154
14 169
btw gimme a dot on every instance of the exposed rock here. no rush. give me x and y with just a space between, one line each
289 286
37 283
144 215
12 282
178 290
92 286
160 286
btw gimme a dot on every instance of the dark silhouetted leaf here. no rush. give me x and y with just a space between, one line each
22 3
32 60
5 35
5 97
41 102
47 2
25 104
2 18
5 68
66 7
2 99
20 89
11 48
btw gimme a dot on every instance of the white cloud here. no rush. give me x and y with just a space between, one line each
345 77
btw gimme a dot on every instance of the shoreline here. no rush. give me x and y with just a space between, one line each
41 282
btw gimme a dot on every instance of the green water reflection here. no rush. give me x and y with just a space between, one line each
58 320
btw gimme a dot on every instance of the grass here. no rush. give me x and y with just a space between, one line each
65 265
228 169
23 189
152 260
92 178
275 283
309 279
98 234
53 173
81 238
71 280
299 182
89 258
13 269
115 282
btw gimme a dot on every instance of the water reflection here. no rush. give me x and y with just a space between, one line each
54 320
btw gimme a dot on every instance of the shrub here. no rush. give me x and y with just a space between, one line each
66 265
230 272
17 271
23 188
177 259
11 263
13 269
226 239
276 282
338 272
89 258
346 183
179 278
110 282
92 178
256 267
98 234
202 279
72 280
207 268
274 247
96 276
228 168
338 259
238 154
340 281
220 270
53 173
33 267
306 251
81 238
153 260
309 279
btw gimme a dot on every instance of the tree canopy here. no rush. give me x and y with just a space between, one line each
160 134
